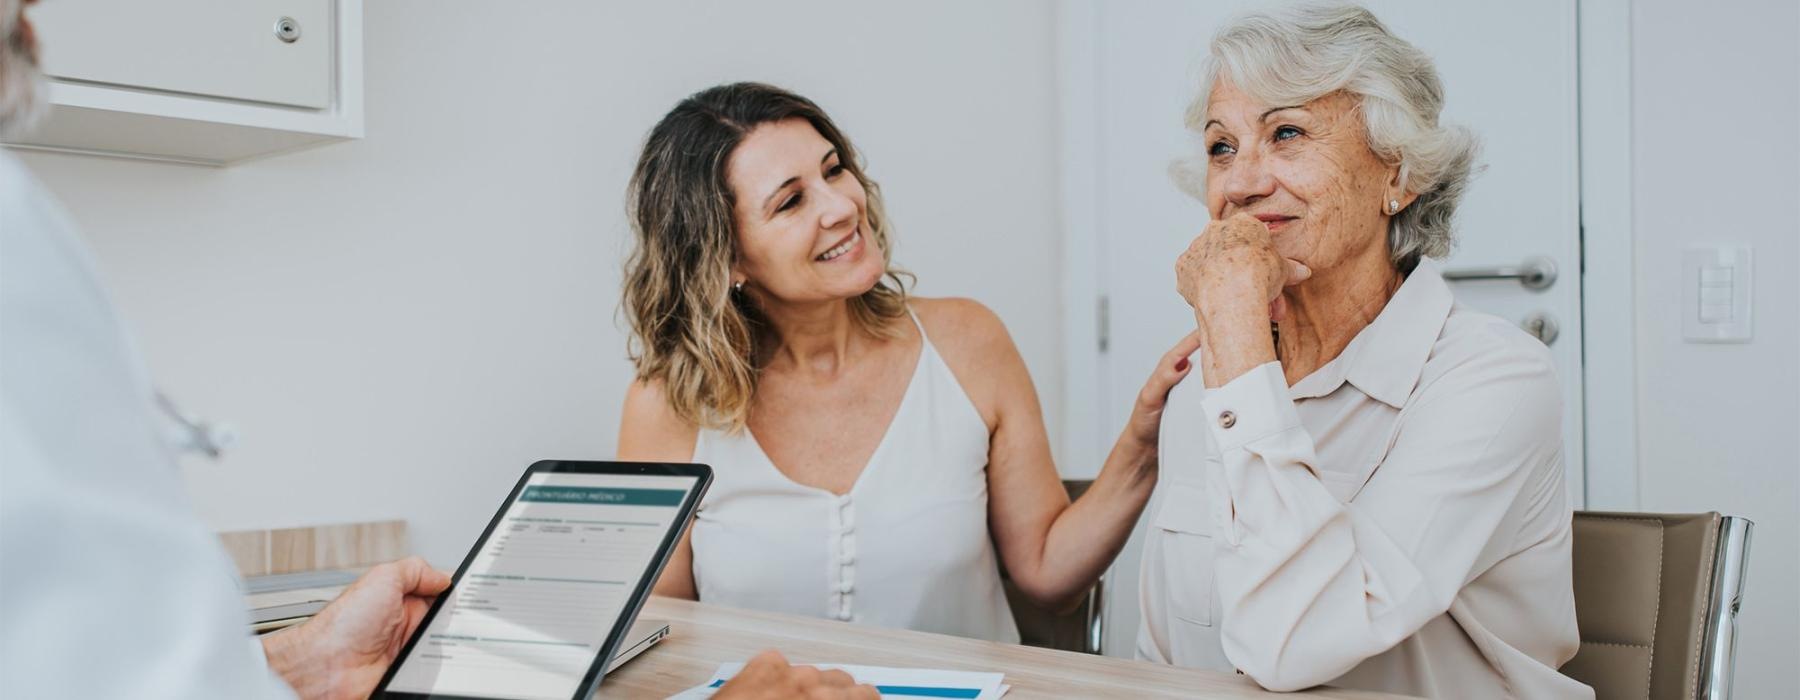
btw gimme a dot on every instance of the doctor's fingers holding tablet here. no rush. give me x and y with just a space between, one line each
344 649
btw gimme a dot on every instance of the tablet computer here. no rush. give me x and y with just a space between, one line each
544 600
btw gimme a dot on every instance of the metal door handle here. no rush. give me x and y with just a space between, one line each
1534 273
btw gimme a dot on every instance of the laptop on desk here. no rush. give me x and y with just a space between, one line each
643 635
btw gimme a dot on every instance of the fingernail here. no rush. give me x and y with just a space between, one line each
1181 365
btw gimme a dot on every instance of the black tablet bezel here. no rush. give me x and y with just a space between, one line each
615 637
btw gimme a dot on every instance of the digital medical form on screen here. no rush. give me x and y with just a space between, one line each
535 605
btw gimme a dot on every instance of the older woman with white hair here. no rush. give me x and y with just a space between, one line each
1366 488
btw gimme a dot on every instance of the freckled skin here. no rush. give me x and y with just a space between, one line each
1323 274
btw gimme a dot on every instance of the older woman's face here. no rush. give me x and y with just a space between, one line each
801 217
1305 170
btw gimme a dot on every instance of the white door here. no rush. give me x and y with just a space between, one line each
1509 71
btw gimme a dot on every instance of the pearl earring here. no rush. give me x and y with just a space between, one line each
1393 206
738 286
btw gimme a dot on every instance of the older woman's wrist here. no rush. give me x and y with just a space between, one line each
1233 343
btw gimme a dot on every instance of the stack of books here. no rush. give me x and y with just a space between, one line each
285 600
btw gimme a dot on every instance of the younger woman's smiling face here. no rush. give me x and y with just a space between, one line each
802 217
1305 170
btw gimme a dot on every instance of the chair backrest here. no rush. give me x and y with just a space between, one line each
1655 599
1080 629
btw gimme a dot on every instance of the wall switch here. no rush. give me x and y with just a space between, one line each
1715 295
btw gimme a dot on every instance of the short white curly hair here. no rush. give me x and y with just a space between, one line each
1301 53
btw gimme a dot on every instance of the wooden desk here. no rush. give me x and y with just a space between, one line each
704 636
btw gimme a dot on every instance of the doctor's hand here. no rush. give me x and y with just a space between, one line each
343 651
769 677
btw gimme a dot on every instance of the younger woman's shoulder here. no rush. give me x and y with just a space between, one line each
960 321
649 429
974 344
958 315
648 398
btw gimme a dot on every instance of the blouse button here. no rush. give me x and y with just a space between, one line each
1227 419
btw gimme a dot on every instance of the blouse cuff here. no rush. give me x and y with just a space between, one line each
1251 407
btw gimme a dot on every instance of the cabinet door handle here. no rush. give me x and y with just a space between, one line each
287 29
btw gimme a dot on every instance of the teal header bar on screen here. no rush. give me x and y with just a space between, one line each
602 496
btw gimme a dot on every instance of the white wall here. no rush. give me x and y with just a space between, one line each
398 325
1716 160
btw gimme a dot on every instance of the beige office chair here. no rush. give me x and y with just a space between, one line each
1656 599
1082 629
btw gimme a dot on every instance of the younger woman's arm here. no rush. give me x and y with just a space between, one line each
651 432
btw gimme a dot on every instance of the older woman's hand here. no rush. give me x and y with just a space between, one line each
1233 277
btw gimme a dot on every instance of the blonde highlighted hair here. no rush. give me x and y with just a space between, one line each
689 329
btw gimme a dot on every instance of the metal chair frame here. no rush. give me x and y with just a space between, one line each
1718 651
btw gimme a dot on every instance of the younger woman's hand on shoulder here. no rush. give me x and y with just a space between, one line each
1145 424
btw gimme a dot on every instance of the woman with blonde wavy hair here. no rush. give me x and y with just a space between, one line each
874 451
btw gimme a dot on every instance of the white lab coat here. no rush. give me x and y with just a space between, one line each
110 586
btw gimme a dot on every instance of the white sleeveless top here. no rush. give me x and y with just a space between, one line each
906 547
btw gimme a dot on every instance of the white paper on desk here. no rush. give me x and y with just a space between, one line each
919 683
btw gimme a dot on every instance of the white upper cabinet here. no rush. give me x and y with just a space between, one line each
271 51
199 81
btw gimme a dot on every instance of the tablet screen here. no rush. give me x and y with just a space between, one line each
536 602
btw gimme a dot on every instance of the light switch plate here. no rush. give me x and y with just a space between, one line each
1715 294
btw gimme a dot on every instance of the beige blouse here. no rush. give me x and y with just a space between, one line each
1395 521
